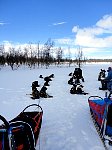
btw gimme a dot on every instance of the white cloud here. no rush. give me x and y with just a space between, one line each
2 23
75 29
64 41
99 35
94 40
59 23
105 22
17 46
89 40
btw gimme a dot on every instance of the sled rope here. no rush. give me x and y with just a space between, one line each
37 123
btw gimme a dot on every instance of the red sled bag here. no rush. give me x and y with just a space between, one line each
101 112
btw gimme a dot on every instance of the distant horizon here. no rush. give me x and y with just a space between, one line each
70 24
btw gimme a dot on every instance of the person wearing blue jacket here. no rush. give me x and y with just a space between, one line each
108 79
107 82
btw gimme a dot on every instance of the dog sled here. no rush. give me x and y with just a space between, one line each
101 112
22 132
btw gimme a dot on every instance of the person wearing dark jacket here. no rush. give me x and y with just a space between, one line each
78 74
35 93
108 79
43 92
107 82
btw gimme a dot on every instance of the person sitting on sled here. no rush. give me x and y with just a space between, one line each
77 89
73 90
35 93
43 92
34 85
107 82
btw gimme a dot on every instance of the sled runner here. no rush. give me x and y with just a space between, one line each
21 133
101 112
47 96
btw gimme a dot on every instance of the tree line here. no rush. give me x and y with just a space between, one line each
37 57
41 56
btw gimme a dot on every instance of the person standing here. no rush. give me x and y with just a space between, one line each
108 79
107 82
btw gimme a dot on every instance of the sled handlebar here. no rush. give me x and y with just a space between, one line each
4 121
95 97
38 106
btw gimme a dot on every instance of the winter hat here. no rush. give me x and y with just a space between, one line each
35 84
109 68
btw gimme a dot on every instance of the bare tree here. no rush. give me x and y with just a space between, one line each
47 48
38 54
11 57
59 55
2 55
79 57
33 55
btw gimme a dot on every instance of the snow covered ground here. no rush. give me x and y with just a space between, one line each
67 124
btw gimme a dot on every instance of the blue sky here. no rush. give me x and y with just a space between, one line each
69 23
